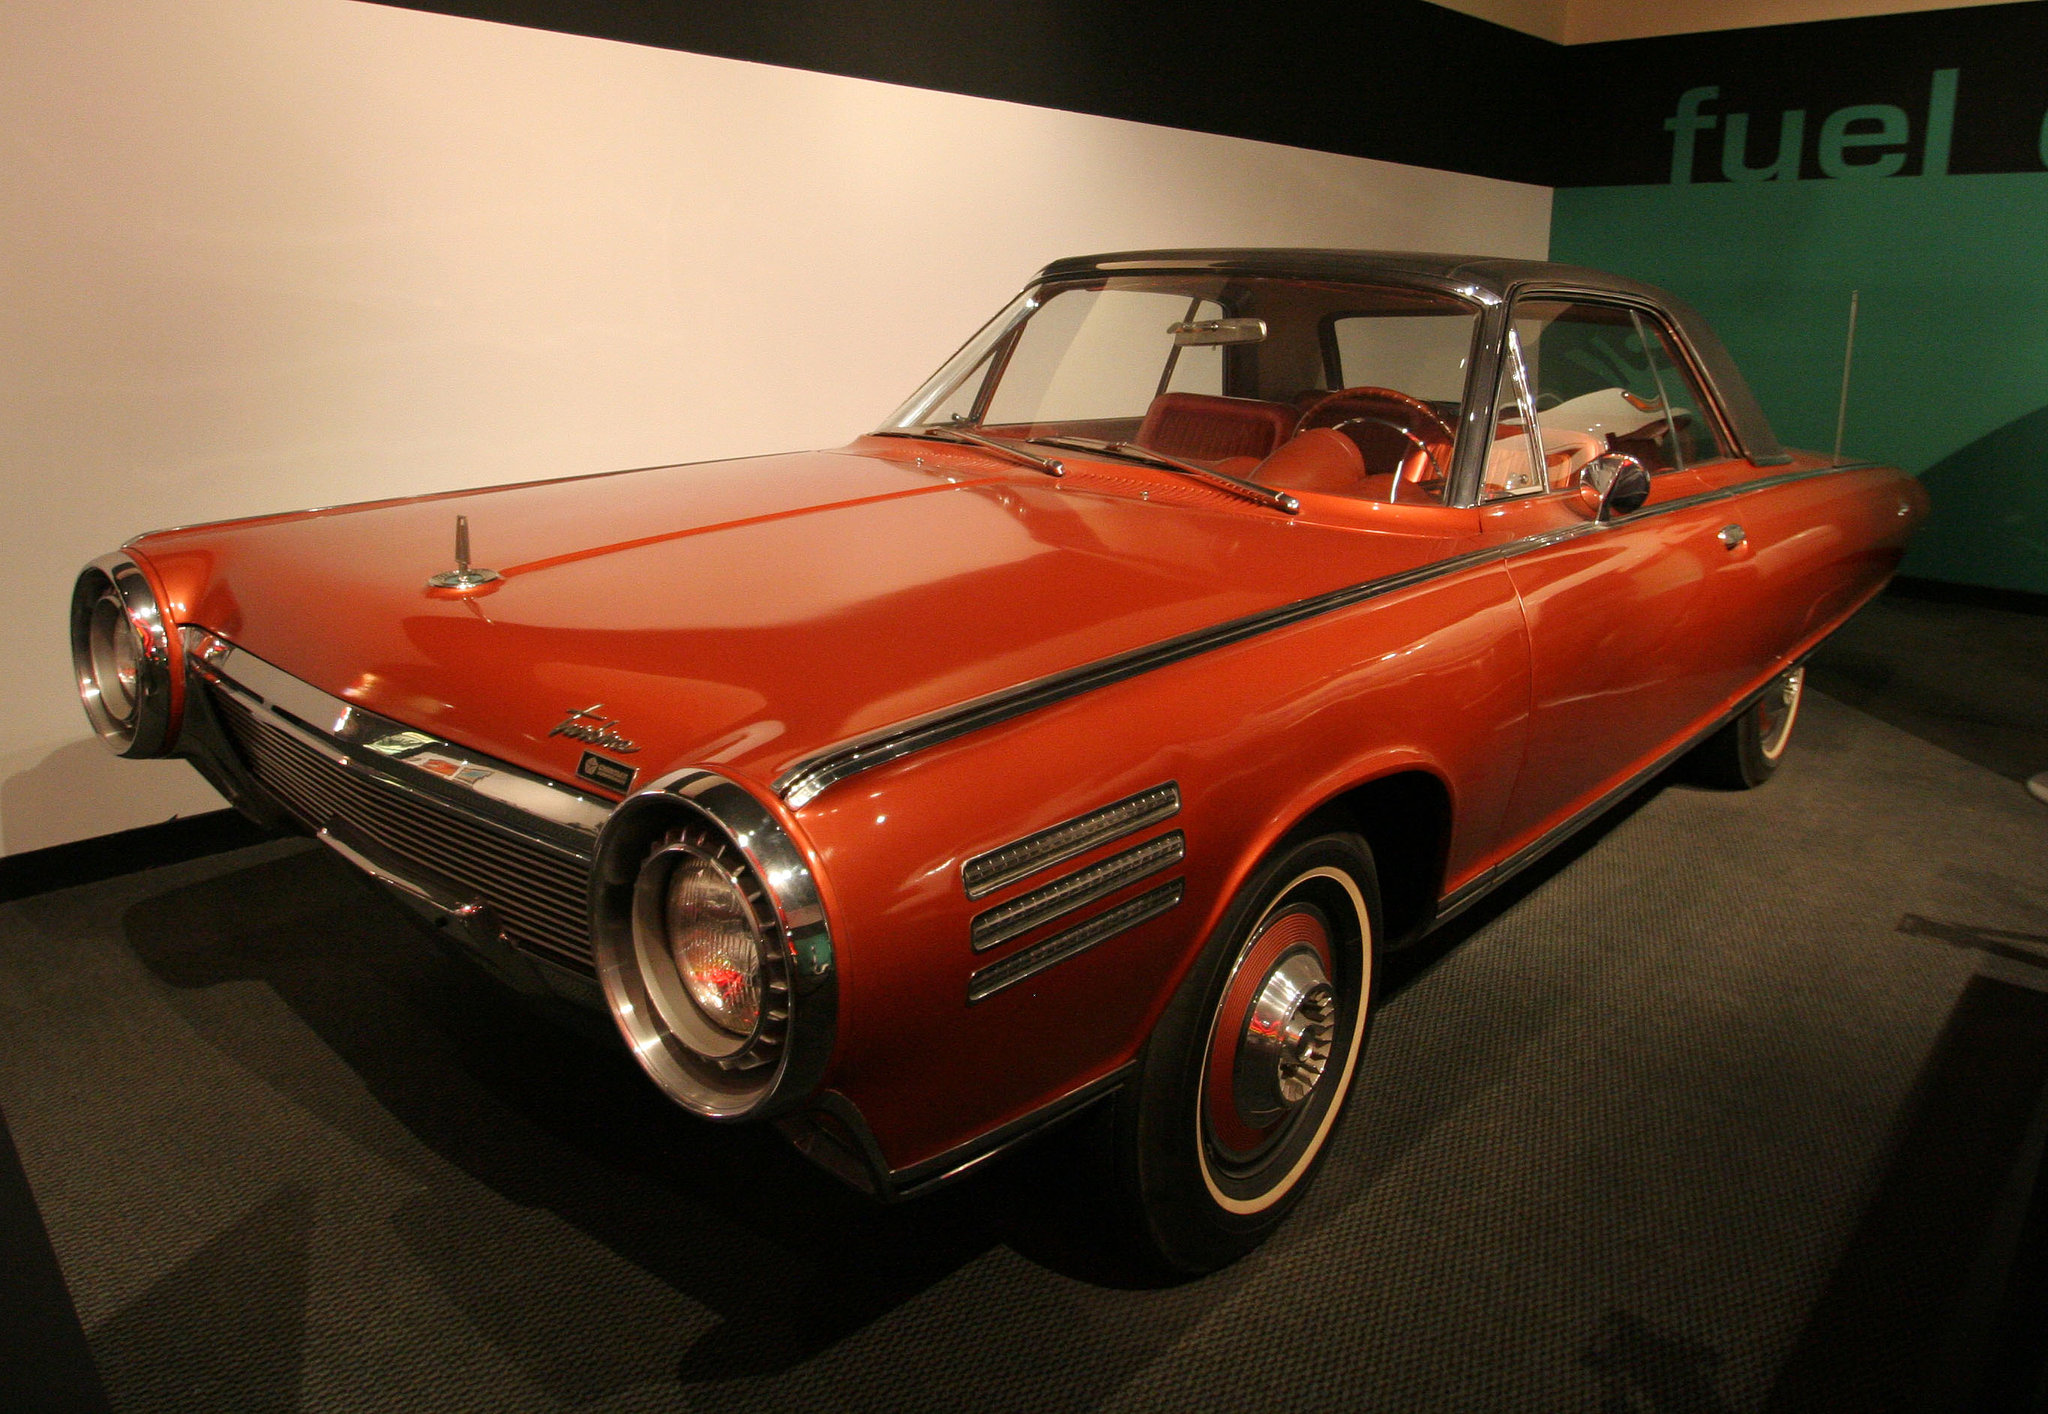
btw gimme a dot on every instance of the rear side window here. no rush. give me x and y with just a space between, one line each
1603 378
1699 440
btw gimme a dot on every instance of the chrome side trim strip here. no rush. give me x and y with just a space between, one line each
1077 890
803 781
1076 940
496 792
963 1159
985 873
1465 895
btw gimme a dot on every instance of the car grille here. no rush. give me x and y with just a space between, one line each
536 893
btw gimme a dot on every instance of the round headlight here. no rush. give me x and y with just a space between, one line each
708 957
114 654
712 948
710 942
123 658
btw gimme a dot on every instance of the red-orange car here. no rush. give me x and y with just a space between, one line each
1211 623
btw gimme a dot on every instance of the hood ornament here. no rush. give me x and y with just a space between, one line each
462 576
583 724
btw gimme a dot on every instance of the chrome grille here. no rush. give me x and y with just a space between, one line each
536 893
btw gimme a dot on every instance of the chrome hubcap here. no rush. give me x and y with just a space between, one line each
1780 706
1285 1046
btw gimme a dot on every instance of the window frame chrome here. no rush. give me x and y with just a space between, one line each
1689 361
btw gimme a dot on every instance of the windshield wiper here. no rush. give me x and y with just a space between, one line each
941 433
1250 490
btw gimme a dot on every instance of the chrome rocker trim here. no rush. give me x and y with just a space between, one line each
833 1134
1473 890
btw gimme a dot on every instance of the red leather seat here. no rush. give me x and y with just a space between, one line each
1209 428
1321 459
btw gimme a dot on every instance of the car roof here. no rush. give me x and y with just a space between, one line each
1490 278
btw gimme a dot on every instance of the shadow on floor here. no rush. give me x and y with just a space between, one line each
1969 679
555 1117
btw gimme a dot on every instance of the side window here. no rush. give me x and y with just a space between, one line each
1600 378
1699 440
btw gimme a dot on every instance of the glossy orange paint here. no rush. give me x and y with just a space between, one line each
745 615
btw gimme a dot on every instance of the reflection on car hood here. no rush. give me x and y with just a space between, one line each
743 613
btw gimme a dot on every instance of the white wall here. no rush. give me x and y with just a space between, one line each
258 254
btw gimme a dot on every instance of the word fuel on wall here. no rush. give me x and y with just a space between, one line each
1935 210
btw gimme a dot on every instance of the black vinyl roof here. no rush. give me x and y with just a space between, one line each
1490 278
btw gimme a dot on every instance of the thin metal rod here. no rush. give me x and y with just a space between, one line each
1848 353
462 536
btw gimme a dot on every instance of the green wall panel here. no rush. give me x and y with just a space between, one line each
1951 369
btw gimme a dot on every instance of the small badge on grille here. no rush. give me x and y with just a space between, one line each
614 775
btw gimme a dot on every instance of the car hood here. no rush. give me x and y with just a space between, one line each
746 614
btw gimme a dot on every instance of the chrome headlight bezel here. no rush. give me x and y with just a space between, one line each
700 816
112 594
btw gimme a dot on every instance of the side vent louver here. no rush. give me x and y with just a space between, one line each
985 873
1009 971
1062 896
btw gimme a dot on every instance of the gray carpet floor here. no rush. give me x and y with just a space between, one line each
1620 1141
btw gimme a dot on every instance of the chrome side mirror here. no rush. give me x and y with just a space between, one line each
1614 485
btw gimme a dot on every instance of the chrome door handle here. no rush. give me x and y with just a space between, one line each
1730 536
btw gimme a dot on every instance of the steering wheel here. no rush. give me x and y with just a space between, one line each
1428 456
1416 421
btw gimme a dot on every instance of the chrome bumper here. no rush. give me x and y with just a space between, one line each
496 856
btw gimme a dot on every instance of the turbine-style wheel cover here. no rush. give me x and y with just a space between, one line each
1776 710
1256 1146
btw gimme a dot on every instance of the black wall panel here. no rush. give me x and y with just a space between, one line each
1611 131
1401 80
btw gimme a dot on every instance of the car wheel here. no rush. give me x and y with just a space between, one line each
1746 752
1241 1085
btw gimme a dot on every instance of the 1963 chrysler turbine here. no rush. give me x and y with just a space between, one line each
1212 622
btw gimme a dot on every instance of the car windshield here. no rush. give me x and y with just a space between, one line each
1338 388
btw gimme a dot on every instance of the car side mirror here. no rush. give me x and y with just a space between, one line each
1614 485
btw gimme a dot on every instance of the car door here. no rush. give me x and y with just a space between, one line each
1625 650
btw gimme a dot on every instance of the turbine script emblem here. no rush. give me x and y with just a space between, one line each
585 725
462 576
